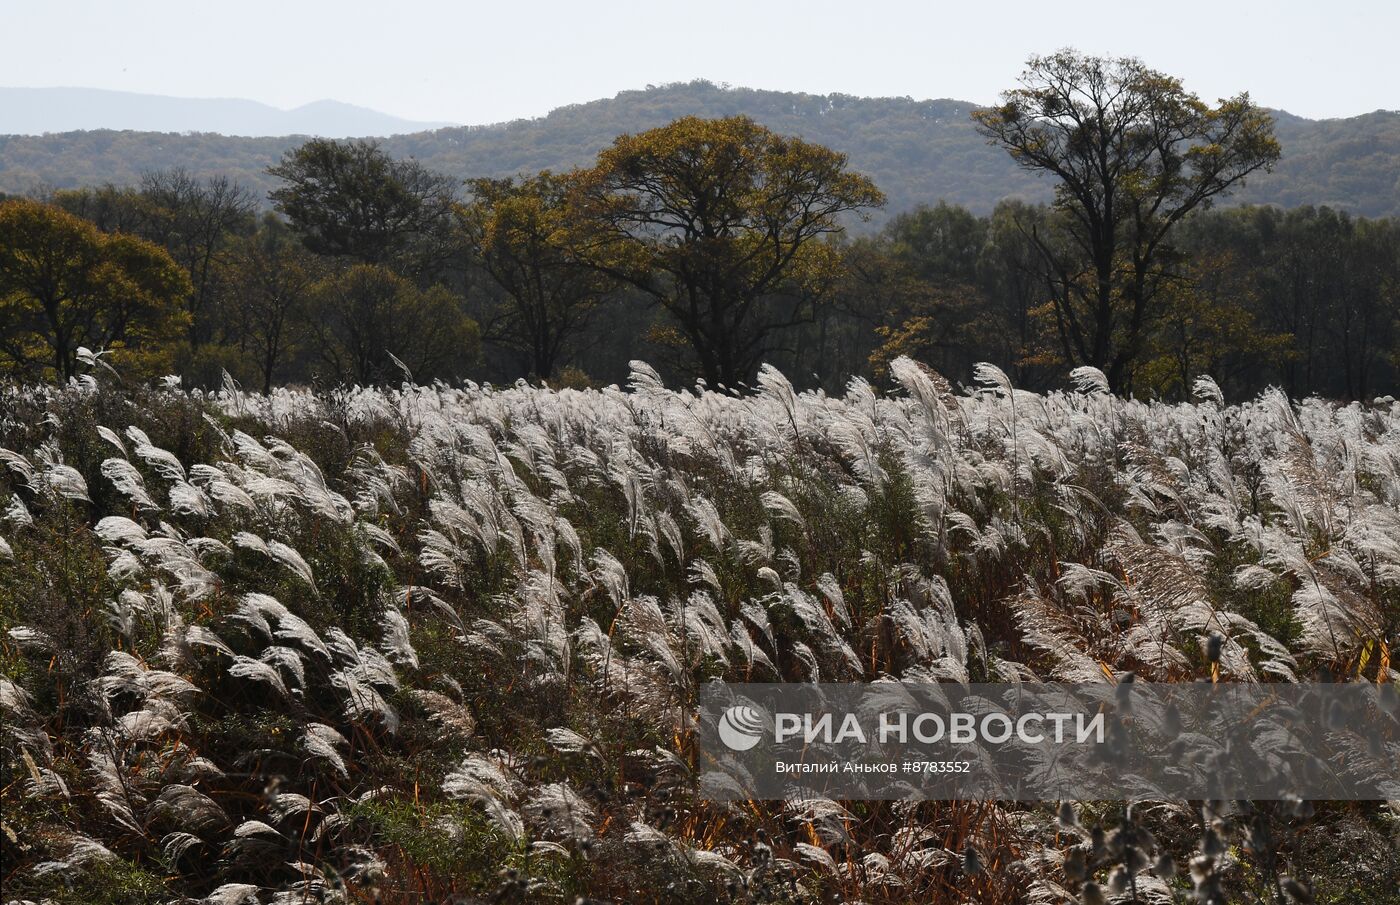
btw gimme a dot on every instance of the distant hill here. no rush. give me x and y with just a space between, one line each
36 111
917 151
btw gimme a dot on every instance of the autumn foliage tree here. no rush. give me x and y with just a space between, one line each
197 220
367 324
65 284
1132 153
1208 326
720 222
525 234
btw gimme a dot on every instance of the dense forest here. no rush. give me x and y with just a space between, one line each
1303 298
918 152
710 246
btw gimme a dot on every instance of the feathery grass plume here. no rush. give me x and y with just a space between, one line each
455 719
233 894
568 741
322 741
113 438
15 702
21 467
253 842
1207 390
480 777
174 846
396 643
557 810
820 628
1334 618
34 640
67 482
781 507
643 379
289 662
221 487
776 388
611 575
362 702
702 573
245 667
291 627
486 781
187 499
84 854
584 559
850 437
149 723
1090 380
258 611
1064 636
43 783
708 522
930 388
118 529
128 482
989 375
830 588
165 463
188 810
117 797
279 553
701 626
17 514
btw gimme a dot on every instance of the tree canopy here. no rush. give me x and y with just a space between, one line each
65 284
1132 153
367 324
695 245
718 221
350 199
526 234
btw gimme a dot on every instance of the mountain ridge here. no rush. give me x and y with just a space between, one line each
35 111
918 151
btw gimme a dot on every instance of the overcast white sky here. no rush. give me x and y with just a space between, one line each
480 62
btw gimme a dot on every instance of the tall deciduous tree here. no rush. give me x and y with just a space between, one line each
940 243
524 234
65 284
720 221
114 209
196 220
362 319
1133 153
274 274
1208 326
1010 269
351 200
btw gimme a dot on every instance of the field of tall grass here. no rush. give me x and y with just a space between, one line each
440 644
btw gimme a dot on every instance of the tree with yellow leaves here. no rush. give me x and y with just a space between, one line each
65 284
720 221
524 234
1208 327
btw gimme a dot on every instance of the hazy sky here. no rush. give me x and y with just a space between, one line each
473 62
